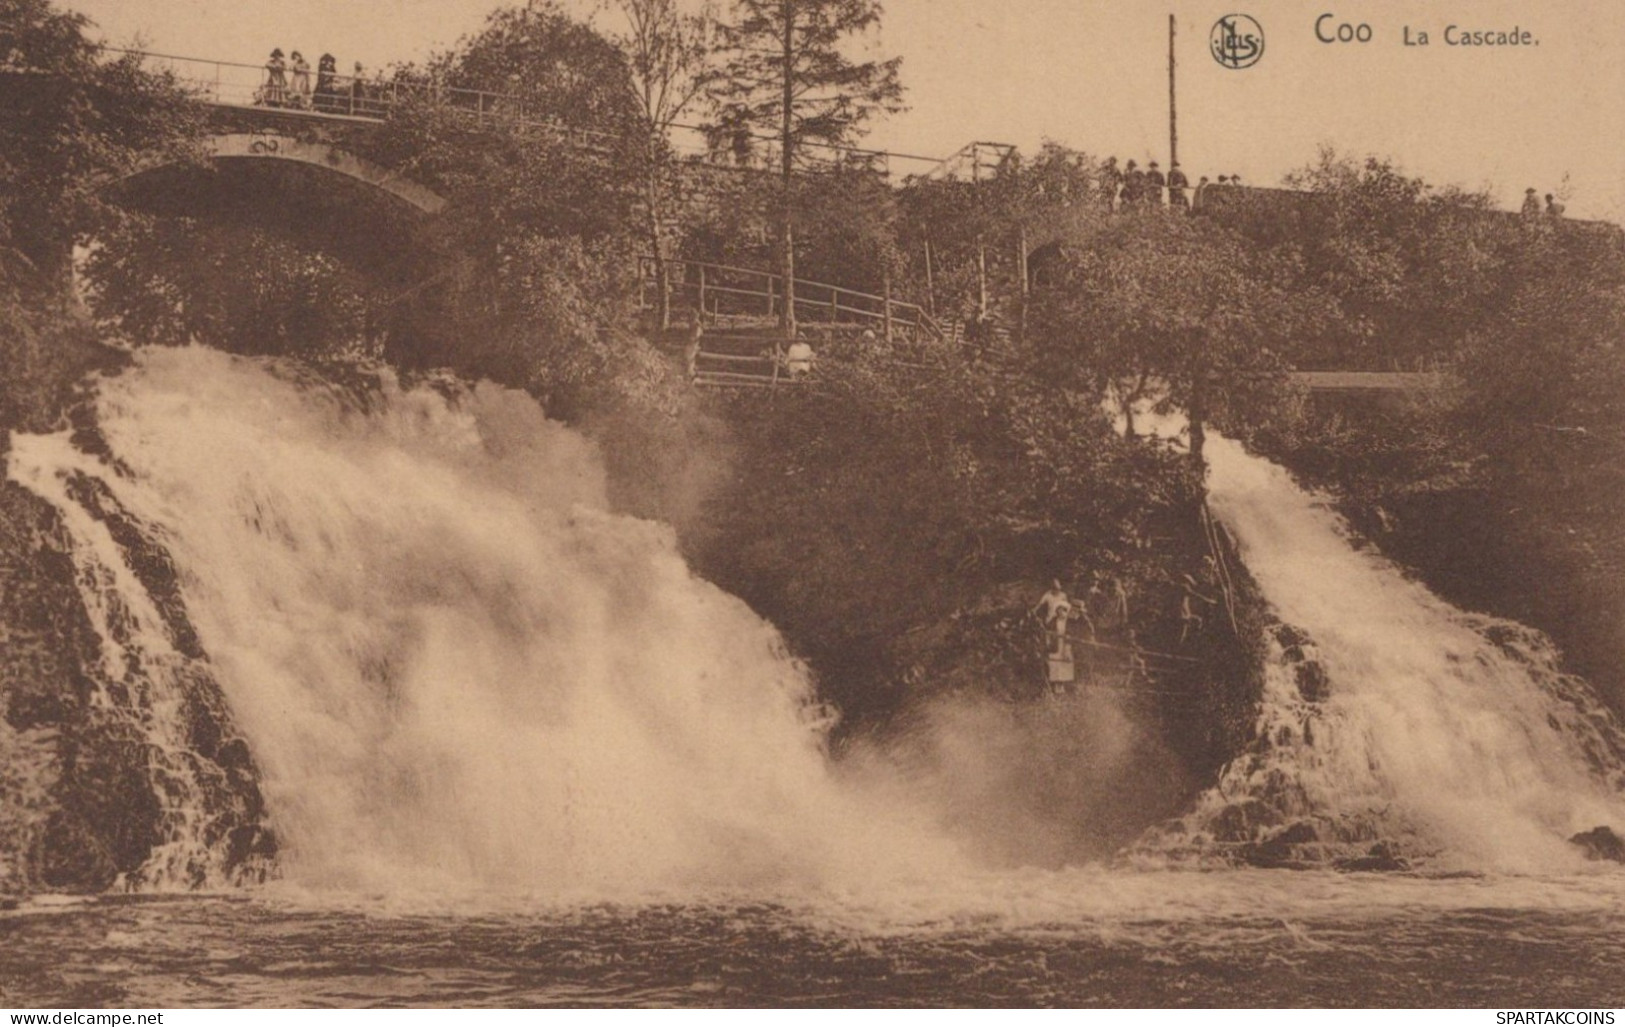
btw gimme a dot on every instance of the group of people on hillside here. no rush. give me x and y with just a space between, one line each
1131 188
288 84
1056 611
1532 208
1108 603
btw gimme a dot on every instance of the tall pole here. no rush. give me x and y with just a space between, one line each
1173 110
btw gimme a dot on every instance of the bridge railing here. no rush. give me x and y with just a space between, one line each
724 292
232 84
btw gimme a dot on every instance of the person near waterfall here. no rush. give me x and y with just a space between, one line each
1190 615
1053 610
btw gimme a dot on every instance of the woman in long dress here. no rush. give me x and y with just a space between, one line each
301 81
275 91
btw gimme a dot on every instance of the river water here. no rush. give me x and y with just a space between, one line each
1080 937
515 753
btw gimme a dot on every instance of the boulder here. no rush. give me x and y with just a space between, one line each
1601 843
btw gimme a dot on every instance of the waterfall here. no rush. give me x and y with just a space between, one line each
1392 724
405 617
454 666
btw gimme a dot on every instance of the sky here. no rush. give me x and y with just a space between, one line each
1094 74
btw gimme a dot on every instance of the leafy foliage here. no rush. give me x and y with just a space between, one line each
72 121
1175 304
789 76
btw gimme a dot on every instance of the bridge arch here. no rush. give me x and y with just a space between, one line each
270 147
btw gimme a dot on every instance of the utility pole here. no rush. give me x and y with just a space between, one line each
1173 110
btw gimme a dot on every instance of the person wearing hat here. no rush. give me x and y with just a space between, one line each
1531 203
1177 184
299 92
1153 185
327 74
275 91
1133 185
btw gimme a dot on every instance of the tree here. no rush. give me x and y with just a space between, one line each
789 77
70 123
669 53
73 121
978 231
538 294
1177 305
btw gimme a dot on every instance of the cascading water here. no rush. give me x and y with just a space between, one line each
469 694
1393 724
456 669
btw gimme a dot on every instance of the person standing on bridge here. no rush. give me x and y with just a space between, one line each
327 74
275 91
299 93
358 91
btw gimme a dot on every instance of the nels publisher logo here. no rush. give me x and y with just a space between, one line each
1237 41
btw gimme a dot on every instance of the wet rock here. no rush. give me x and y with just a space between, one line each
1284 848
1313 683
1242 820
1601 843
1291 637
1381 859
82 799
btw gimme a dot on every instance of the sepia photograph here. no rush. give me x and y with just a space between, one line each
812 504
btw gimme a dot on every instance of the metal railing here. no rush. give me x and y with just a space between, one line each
724 293
252 86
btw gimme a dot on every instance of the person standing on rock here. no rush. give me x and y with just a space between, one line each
1190 617
1053 610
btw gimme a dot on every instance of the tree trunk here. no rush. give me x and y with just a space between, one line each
654 223
787 241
